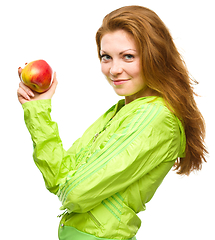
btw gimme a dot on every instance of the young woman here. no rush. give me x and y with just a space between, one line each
114 169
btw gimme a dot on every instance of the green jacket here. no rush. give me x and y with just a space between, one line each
112 171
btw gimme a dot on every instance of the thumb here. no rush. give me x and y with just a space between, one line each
54 84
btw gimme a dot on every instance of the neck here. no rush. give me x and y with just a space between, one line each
147 93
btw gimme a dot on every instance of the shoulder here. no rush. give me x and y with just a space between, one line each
151 112
155 121
163 123
159 112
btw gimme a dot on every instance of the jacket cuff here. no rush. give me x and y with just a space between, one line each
37 104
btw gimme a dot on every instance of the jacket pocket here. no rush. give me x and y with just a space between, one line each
94 219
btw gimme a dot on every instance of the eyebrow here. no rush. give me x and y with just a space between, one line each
120 52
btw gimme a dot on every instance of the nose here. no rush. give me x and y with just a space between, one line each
116 69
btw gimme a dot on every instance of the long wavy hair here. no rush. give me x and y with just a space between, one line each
165 72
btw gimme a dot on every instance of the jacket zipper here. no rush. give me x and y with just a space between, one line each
62 215
94 219
96 135
104 128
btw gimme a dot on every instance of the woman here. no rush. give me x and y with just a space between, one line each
114 169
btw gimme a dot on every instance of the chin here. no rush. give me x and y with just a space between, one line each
124 94
121 94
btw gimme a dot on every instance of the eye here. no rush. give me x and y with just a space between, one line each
128 57
105 57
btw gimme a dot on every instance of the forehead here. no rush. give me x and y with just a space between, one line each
118 40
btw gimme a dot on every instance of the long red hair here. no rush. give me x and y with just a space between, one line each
164 72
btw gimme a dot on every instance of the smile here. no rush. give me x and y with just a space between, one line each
119 81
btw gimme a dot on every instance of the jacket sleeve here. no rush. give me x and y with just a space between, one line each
50 157
141 144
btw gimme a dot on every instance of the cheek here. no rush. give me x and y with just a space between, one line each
104 69
133 69
136 69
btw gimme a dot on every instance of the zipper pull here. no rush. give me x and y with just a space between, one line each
62 214
94 139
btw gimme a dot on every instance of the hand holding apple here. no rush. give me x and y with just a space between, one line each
37 75
25 94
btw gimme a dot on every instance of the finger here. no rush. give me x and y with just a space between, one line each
55 79
26 89
23 94
54 84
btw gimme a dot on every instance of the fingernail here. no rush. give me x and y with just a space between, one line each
31 94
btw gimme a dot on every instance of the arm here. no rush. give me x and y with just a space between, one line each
49 154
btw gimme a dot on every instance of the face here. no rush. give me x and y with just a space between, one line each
120 63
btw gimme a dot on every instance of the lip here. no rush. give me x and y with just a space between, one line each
119 81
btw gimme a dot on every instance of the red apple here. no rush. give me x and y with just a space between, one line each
37 75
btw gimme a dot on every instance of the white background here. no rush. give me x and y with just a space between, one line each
63 33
